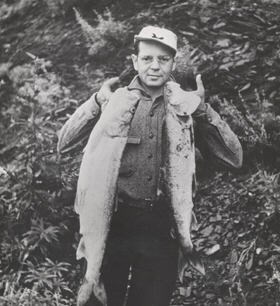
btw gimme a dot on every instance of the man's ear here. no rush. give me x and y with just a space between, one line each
134 61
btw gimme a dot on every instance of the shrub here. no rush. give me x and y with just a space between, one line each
59 7
106 36
9 11
34 220
27 297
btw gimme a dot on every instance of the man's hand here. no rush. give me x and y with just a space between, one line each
184 102
106 91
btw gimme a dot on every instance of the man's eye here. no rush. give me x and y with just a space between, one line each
146 58
164 59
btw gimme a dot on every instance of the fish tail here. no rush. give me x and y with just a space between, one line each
84 293
100 293
86 290
191 259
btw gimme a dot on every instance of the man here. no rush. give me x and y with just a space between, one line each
139 242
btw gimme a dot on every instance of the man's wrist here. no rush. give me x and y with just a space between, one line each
201 111
206 114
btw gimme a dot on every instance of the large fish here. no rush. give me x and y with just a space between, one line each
97 186
179 167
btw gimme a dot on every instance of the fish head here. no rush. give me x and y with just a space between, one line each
120 110
182 102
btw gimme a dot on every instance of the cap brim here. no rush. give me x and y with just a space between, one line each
139 38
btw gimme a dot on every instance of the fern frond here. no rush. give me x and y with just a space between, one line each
87 29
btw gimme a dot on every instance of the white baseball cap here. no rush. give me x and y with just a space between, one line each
161 35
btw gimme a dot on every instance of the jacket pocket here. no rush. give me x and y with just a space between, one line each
129 158
133 140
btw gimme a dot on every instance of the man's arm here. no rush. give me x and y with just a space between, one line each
85 117
216 141
74 129
214 138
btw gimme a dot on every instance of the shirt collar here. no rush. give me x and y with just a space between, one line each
136 84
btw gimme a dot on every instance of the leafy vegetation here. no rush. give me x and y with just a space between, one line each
106 36
52 60
32 220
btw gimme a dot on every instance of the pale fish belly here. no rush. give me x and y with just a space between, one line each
180 171
97 186
96 212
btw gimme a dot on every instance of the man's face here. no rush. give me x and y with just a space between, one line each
154 63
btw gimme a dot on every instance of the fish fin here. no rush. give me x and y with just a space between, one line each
173 233
80 253
194 223
84 293
192 259
196 262
161 185
86 290
79 201
182 265
100 293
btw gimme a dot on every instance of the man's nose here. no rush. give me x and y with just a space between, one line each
154 64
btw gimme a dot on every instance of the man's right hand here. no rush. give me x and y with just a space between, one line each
105 92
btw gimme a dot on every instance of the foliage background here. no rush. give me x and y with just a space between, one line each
54 57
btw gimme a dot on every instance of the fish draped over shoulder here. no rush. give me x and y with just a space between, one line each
97 186
99 172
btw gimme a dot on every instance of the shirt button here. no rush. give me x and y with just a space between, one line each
150 178
150 155
151 135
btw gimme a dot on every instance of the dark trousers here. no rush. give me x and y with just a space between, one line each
140 262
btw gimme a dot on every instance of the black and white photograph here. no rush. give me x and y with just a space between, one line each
139 153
